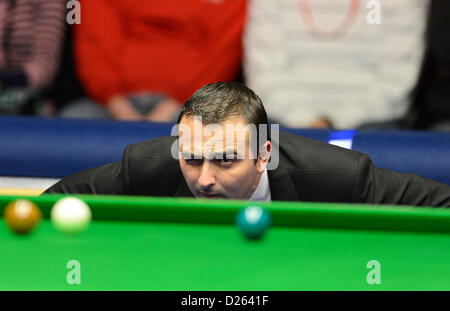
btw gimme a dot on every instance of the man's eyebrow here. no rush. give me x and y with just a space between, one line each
225 154
216 155
190 155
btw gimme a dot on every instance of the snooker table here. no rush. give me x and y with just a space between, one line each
143 243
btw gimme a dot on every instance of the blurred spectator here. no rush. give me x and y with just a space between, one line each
30 42
320 63
142 59
431 98
67 86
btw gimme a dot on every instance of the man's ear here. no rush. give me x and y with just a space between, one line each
263 157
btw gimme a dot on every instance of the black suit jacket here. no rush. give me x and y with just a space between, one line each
308 170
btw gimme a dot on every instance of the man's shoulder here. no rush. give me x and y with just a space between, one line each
156 148
319 171
306 153
150 167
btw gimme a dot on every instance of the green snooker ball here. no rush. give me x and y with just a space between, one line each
253 221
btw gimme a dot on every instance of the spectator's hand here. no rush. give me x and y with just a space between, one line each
17 100
322 122
164 111
121 109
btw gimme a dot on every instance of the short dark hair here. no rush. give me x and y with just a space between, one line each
217 102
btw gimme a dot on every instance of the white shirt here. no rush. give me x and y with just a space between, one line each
262 192
365 75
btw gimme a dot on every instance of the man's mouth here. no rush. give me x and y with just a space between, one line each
209 195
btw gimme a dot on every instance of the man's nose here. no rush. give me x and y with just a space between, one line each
206 178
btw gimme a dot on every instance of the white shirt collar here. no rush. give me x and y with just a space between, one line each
262 192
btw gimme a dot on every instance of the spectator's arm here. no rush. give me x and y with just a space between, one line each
122 109
8 79
3 16
98 47
49 27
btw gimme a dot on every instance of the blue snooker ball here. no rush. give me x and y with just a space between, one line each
253 221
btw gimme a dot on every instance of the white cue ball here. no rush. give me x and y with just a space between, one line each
71 215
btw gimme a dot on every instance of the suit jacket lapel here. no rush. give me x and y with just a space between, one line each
183 189
281 186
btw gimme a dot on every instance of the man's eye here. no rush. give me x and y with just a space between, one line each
225 162
194 161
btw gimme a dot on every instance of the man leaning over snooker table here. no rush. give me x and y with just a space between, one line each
204 164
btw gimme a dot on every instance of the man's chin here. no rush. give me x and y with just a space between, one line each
212 196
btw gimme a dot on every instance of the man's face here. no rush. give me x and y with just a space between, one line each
216 161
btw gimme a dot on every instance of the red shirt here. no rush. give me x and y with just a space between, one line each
172 46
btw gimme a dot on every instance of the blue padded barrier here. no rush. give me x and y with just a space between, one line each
43 147
317 134
40 147
423 153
